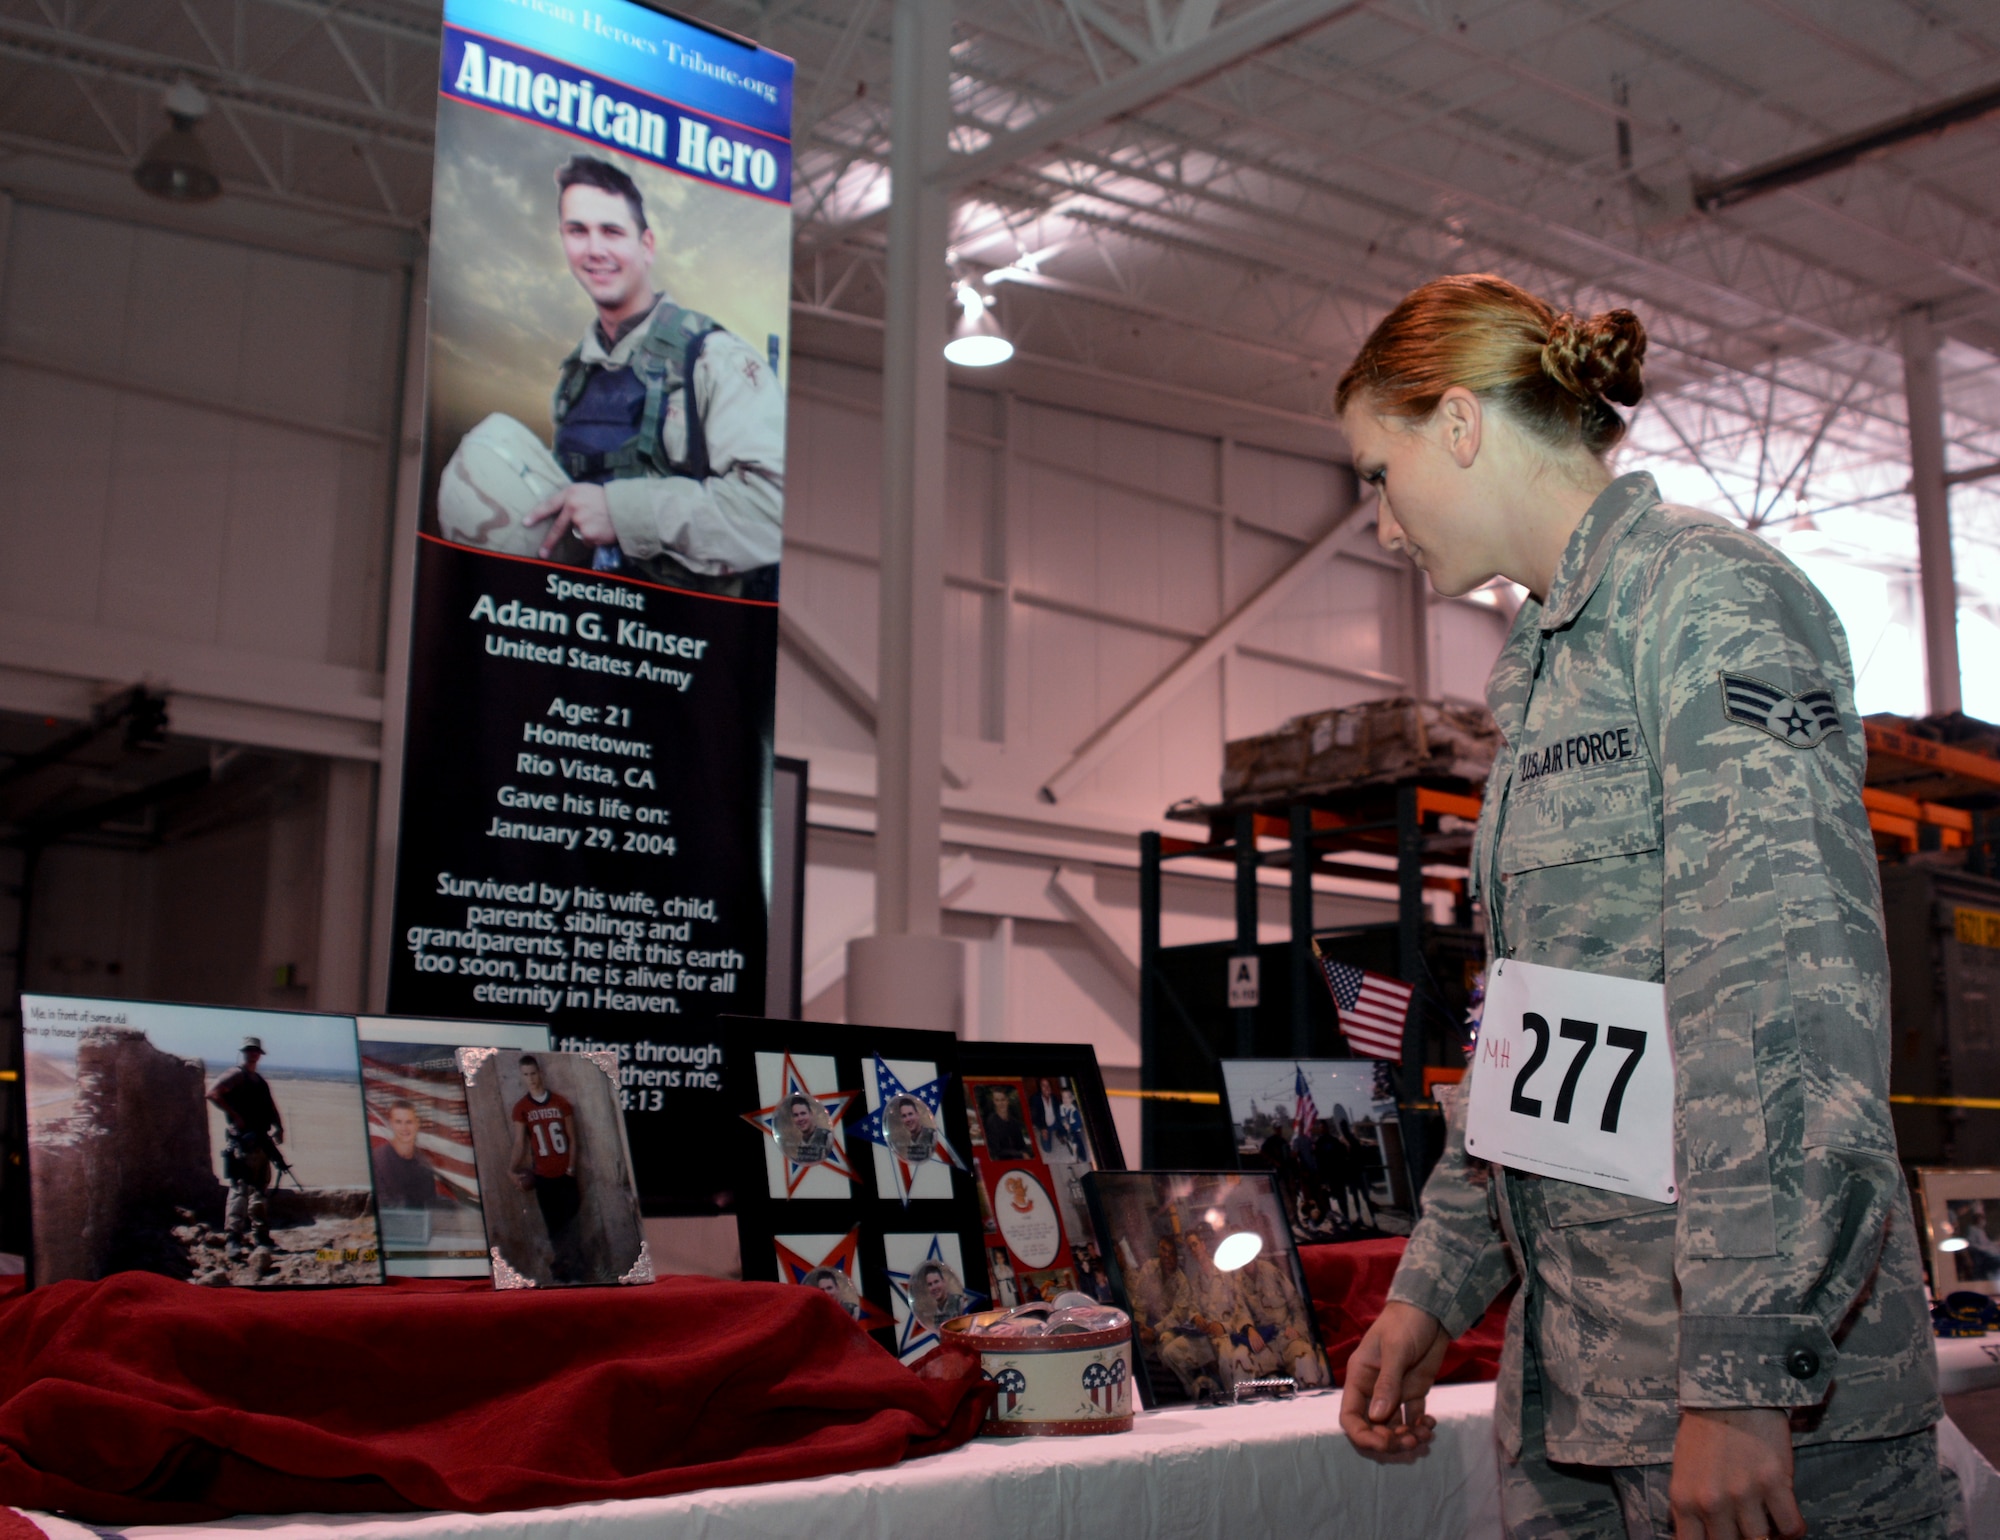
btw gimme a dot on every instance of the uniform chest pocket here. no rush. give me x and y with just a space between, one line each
1582 816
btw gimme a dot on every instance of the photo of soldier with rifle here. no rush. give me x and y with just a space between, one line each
250 1155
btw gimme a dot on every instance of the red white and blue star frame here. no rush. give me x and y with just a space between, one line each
843 1257
835 1104
931 1094
913 1338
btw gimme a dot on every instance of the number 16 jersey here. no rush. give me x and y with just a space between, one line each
551 1124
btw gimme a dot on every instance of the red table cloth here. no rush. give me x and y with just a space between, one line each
143 1400
1349 1283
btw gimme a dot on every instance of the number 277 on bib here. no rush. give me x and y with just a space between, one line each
1574 1079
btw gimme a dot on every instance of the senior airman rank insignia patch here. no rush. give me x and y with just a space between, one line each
1803 720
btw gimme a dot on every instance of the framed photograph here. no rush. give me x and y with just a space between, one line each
420 1151
226 1147
1203 1262
1961 1228
555 1174
854 1173
1039 1121
1327 1130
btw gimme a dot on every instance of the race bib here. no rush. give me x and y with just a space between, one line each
1574 1079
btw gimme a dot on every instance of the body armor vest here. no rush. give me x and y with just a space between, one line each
608 428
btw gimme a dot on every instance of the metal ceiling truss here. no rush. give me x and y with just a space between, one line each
1237 222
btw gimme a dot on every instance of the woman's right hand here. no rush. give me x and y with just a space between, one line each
1382 1405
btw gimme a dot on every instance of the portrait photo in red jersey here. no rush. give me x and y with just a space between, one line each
555 1174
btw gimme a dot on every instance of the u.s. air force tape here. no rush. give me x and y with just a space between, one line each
1803 720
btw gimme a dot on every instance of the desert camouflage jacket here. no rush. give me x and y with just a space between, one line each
1679 801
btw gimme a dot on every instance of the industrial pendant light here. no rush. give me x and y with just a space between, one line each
176 165
976 339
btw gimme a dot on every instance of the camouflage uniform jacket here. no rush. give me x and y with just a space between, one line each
1637 825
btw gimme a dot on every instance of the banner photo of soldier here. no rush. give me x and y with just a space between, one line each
555 1175
806 1155
831 1263
1204 1264
593 655
1319 1125
1372 1007
796 1090
225 1147
420 1150
927 1273
1046 1100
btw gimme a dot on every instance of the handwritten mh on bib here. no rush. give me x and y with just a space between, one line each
1574 1078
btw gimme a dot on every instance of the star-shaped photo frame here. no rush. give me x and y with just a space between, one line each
912 1335
914 1146
838 1271
832 1148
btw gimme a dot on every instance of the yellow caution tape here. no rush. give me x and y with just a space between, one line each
1985 1103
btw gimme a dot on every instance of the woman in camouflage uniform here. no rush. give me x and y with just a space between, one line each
1755 1358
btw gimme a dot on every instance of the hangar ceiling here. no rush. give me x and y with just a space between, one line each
1229 239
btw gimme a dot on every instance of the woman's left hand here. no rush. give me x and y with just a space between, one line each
1732 1476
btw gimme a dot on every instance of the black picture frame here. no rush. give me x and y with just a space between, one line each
1258 1327
1344 1194
859 1220
1038 1149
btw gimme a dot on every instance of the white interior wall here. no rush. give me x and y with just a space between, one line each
1084 556
195 473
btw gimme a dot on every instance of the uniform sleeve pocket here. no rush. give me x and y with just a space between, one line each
1726 1208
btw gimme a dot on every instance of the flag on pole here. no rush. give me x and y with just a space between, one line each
1305 1111
1372 1007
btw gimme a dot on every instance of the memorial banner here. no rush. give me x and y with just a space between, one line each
585 834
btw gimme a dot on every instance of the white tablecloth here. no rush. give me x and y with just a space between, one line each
1968 1363
1280 1470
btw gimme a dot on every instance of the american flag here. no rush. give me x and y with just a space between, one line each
1372 1007
1305 1111
436 1090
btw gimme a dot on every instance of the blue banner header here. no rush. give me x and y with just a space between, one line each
487 72
703 71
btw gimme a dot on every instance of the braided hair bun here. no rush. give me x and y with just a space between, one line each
1598 359
1560 378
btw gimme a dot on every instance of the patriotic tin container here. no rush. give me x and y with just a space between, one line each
1077 1382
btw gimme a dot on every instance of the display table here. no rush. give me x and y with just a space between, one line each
1277 1470
1968 1363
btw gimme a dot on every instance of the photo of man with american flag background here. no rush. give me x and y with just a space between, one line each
420 1148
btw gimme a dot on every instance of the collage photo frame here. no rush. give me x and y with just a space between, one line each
854 1173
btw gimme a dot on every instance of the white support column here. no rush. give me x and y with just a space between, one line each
907 974
1924 393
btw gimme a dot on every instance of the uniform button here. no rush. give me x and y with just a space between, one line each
1802 1363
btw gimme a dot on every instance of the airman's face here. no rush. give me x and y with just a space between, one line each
531 1077
802 1118
1428 511
607 251
1170 1261
827 1283
403 1132
938 1286
912 1119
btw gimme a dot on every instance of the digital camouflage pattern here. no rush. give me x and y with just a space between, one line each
1636 826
